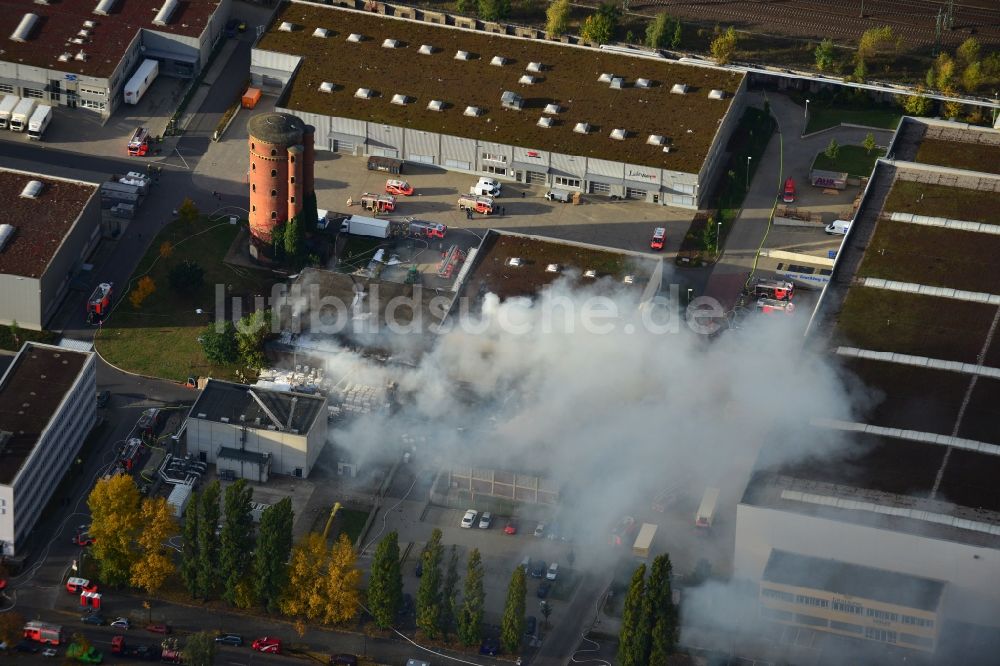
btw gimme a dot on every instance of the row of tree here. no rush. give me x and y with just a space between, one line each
649 618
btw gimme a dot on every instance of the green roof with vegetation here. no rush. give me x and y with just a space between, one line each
569 78
956 203
960 155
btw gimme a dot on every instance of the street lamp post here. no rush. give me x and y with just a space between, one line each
806 116
748 173
718 237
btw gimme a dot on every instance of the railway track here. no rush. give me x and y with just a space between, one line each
913 20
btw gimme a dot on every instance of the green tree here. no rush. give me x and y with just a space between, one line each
189 553
114 519
874 41
448 594
832 149
385 583
723 47
949 109
968 51
251 332
869 144
293 240
15 334
944 69
470 617
825 57
972 77
208 542
199 649
675 41
917 104
860 74
236 540
598 28
659 31
512 624
278 241
631 645
493 10
186 277
274 547
557 18
429 590
154 565
465 6
663 618
219 343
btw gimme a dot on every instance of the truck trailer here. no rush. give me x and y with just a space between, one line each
645 539
706 511
7 105
365 226
21 114
39 120
141 80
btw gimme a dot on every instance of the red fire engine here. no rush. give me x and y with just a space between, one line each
771 306
451 260
43 632
138 145
779 290
379 203
99 303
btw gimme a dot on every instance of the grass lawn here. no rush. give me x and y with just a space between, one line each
957 203
912 324
972 156
160 338
348 521
855 160
822 117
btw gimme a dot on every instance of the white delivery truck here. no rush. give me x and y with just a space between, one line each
141 80
21 114
39 120
706 511
365 226
7 105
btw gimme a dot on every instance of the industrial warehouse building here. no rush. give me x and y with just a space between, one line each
80 53
47 409
510 106
254 432
51 227
892 540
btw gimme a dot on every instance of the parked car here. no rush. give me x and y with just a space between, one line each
485 520
490 647
553 571
510 527
400 187
103 397
267 644
344 660
83 540
470 518
537 569
543 589
158 628
540 530
50 652
121 623
229 639
95 619
530 625
659 238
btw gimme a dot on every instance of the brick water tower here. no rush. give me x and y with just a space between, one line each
281 174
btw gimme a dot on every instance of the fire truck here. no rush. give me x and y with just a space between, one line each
779 290
99 303
424 229
451 259
43 632
138 145
378 203
772 306
131 452
480 204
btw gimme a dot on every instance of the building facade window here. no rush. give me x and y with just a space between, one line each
274 172
882 615
292 199
274 215
917 621
92 104
499 171
6 88
32 93
274 153
274 193
566 182
768 593
292 158
495 157
292 180
847 626
845 607
883 635
811 601
253 187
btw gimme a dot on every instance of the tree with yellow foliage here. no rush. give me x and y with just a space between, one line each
154 565
114 510
322 583
166 249
142 291
341 583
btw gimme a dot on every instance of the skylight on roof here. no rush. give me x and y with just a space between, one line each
582 128
166 11
32 189
619 134
717 94
552 108
364 93
392 44
401 100
472 111
435 105
463 55
355 37
426 49
24 28
617 83
528 80
499 61
104 7
656 140
545 121
286 26
679 89
643 83
321 32
326 87
535 67
605 78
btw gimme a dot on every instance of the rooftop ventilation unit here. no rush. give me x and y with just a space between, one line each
590 273
499 61
656 140
582 128
24 28
619 134
32 189
552 268
6 231
81 56
364 93
286 26
717 94
65 57
679 89
667 149
392 44
435 105
643 83
104 7
326 87
90 24
166 11
618 83
83 32
77 40
535 67
355 37
515 262
321 32
528 80
552 108
401 100
545 121
605 78
472 111
463 55
426 49
511 100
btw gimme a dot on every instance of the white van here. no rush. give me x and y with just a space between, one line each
487 187
553 571
840 227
